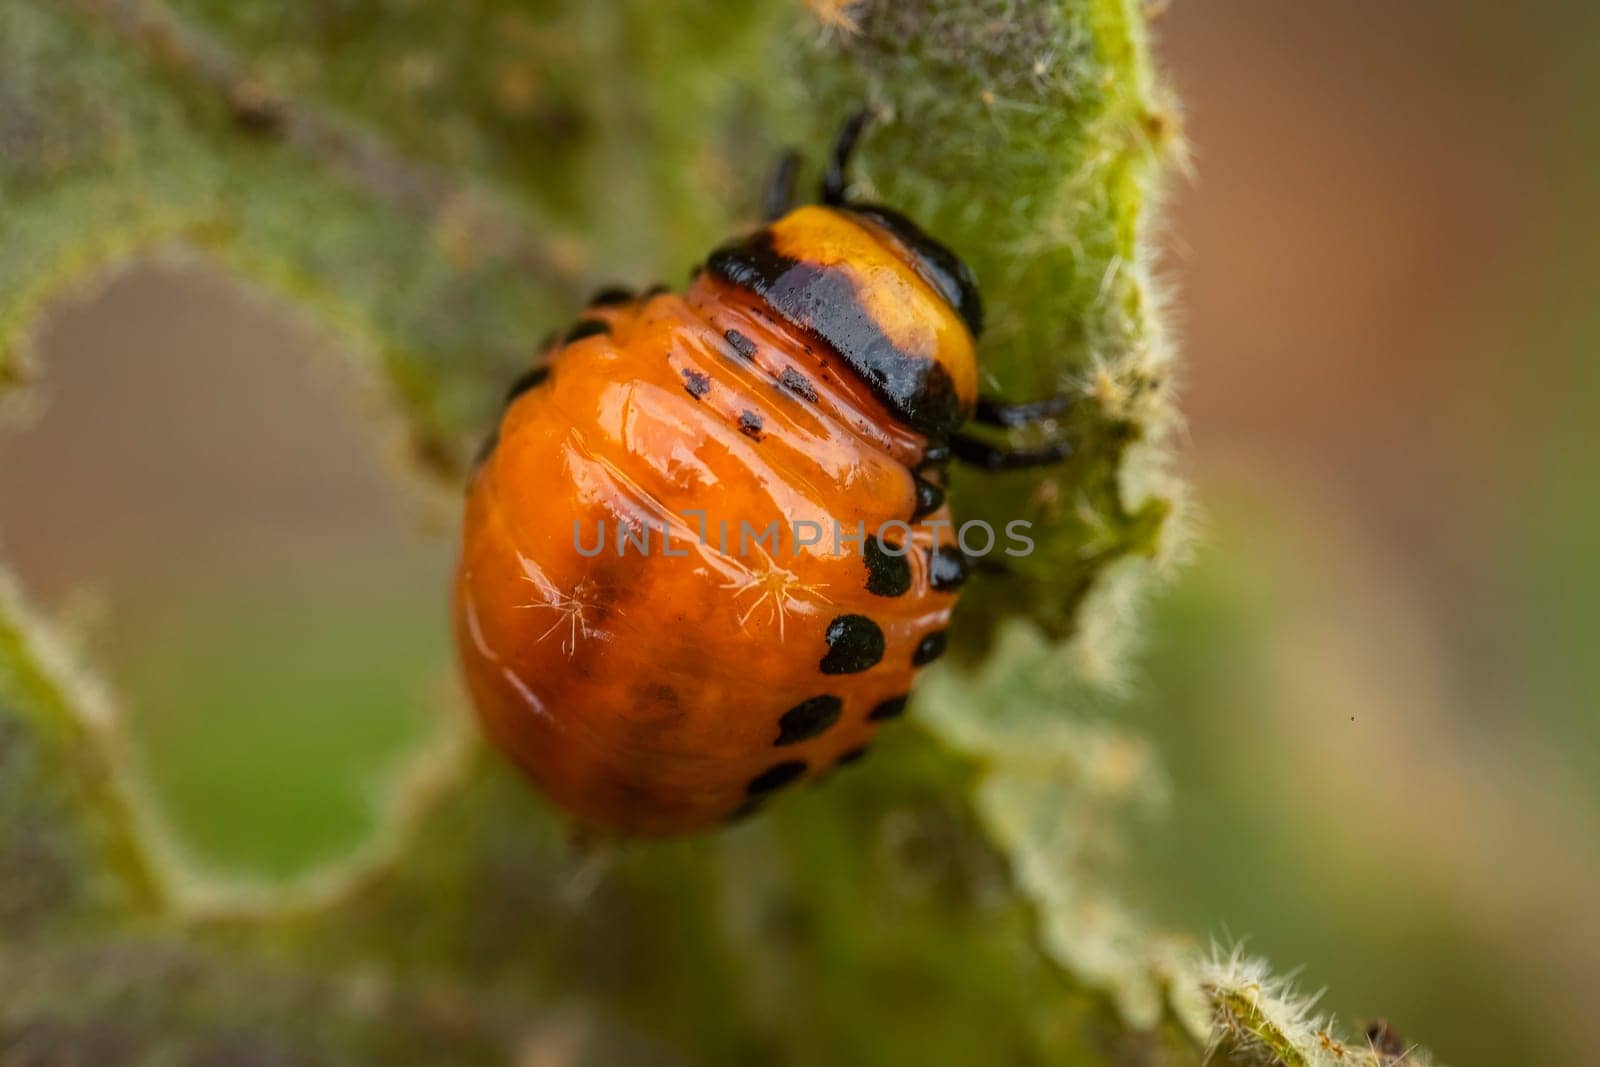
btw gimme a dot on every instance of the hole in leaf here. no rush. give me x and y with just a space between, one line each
206 512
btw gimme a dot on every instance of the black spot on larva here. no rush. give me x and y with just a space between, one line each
698 384
935 455
854 644
888 573
930 497
947 568
528 379
741 344
892 708
824 302
656 290
808 718
750 424
929 648
775 777
798 384
850 757
611 296
586 328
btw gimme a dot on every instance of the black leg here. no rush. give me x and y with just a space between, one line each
993 412
833 179
993 457
780 186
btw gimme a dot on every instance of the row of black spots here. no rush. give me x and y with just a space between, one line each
855 644
750 423
697 384
808 719
814 716
775 777
930 648
888 572
586 328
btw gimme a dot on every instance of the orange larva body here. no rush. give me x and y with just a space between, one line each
807 378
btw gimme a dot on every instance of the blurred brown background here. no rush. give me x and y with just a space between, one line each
1374 685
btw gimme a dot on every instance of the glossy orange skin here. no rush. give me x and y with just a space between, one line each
644 692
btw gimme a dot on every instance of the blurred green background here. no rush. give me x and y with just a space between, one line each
1373 684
